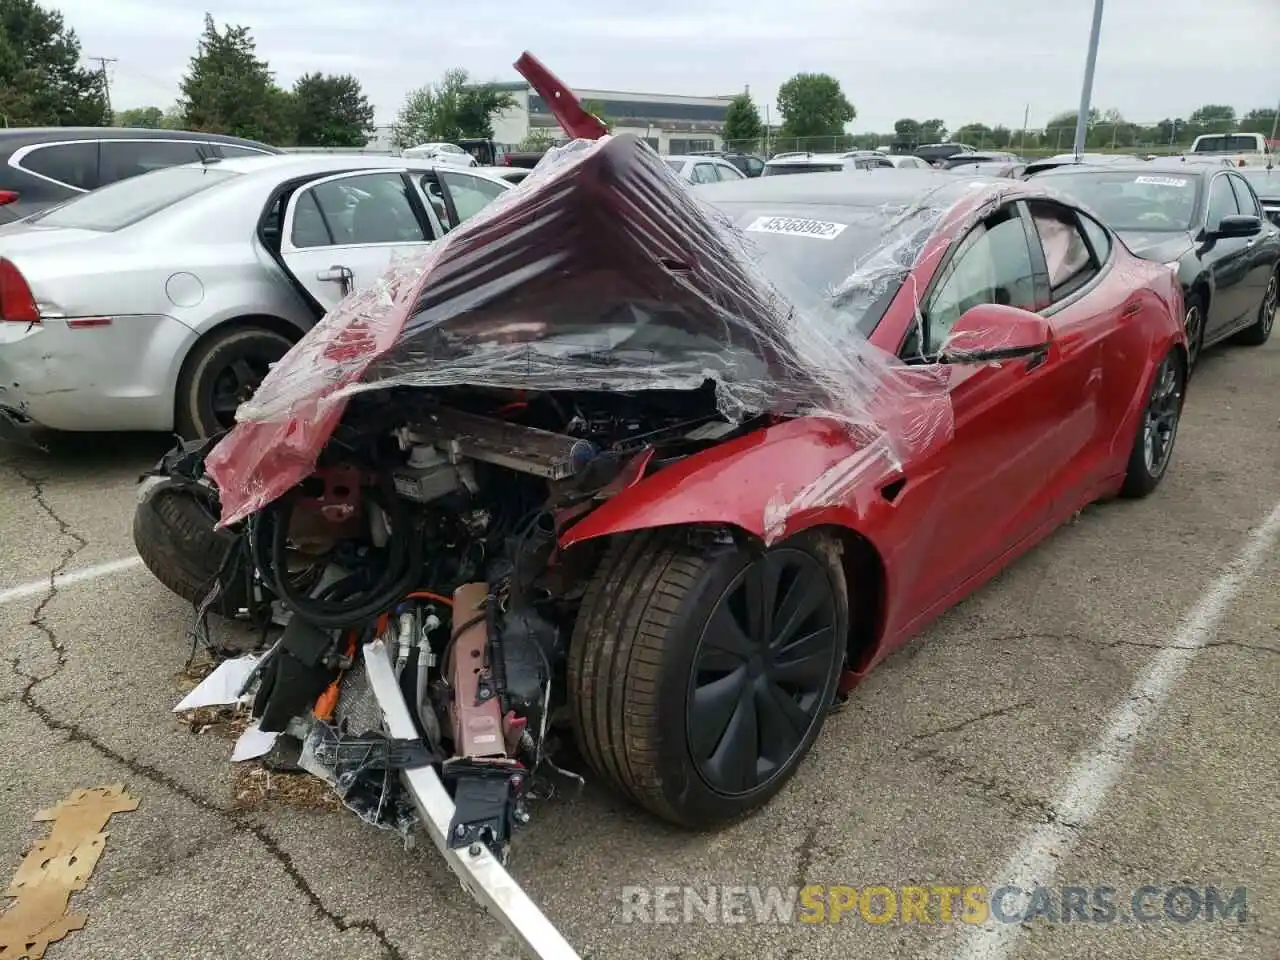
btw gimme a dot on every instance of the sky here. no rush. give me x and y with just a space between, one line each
980 61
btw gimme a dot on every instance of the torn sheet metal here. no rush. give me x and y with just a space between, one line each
55 868
222 687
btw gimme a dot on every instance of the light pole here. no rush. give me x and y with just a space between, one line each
1086 94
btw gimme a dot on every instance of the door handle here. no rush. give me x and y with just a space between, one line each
338 274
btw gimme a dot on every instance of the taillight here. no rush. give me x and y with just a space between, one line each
8 196
17 303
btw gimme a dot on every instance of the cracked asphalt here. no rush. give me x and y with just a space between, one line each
933 773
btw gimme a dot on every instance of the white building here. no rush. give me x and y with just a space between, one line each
671 124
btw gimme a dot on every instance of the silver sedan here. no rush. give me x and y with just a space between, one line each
159 303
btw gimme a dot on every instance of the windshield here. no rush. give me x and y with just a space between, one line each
1225 144
841 265
1131 201
775 170
125 202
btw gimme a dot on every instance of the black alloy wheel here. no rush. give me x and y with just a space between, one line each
1160 420
1270 302
236 382
762 671
222 372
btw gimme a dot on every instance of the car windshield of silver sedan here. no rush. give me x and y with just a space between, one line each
1129 201
127 202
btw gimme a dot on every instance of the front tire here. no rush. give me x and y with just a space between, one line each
692 692
1193 322
1260 332
221 373
1157 428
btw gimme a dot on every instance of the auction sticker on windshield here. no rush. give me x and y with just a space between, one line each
797 226
1163 181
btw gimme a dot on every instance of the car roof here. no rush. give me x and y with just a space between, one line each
21 136
1135 167
845 189
801 158
300 164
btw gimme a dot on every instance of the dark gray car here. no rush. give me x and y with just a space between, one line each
44 166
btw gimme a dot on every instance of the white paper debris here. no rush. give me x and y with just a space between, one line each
220 688
253 743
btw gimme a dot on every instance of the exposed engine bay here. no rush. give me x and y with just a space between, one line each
431 527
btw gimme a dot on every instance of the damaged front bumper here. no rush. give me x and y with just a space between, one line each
476 867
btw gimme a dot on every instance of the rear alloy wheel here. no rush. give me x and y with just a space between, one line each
700 672
222 373
1260 332
1158 428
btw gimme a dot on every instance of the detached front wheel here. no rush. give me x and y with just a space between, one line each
700 674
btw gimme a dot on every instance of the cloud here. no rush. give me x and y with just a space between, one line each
982 61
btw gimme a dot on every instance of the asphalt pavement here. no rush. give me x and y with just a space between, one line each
1099 717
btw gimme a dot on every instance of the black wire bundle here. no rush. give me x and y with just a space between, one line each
356 598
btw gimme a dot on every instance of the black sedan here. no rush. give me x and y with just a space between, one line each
1207 223
1266 184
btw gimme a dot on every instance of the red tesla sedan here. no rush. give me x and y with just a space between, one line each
713 451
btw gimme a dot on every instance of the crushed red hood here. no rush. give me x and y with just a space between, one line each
600 271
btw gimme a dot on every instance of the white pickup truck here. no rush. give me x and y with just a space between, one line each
1241 149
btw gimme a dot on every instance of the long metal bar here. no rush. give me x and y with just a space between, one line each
481 874
1086 93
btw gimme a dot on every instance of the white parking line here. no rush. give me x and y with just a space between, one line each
1096 772
95 572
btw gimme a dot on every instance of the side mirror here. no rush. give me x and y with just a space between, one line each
992 331
1240 225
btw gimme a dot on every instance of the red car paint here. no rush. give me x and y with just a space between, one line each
1030 448
1031 444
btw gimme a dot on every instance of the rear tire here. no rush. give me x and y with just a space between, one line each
1260 332
221 371
1157 428
640 665
173 531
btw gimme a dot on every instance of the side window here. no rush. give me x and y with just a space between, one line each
727 171
367 208
754 167
1245 199
73 164
470 194
1099 239
229 151
1066 254
122 159
704 173
992 264
1222 201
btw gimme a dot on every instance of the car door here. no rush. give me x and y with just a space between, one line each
727 171
1263 249
1097 348
992 493
1227 260
461 194
342 232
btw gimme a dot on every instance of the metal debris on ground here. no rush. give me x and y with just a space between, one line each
56 867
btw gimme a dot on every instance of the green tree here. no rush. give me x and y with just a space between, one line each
974 134
477 104
331 111
813 105
933 131
596 109
151 118
228 89
906 133
41 81
742 119
1060 131
1213 118
1259 121
449 110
